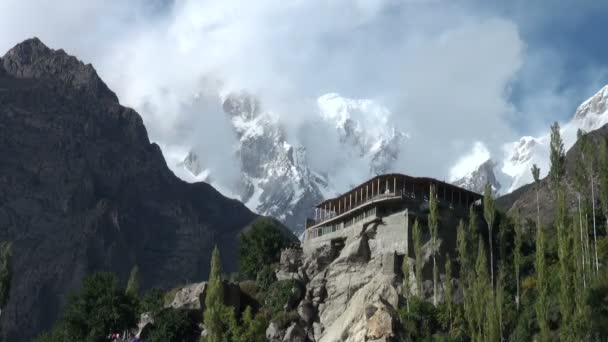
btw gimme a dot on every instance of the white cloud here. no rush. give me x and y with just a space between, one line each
468 163
443 70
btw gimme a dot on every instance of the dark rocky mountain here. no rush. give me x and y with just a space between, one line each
82 189
524 198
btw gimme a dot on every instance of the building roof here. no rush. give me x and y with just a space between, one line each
397 181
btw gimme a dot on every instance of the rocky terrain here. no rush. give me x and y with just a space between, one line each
82 189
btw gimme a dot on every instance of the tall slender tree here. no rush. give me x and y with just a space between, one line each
433 219
464 259
214 305
517 254
405 268
419 262
589 166
563 233
539 265
536 175
481 294
133 283
489 214
449 289
579 182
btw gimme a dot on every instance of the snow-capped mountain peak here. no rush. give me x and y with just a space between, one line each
520 155
476 181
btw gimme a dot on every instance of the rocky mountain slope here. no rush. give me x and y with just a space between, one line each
82 189
277 176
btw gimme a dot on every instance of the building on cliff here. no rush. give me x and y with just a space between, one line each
384 209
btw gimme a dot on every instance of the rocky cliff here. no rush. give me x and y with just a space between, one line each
82 189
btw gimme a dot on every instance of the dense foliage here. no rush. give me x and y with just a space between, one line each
260 247
102 307
521 280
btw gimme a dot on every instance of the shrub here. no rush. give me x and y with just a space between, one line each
280 294
171 325
152 302
261 246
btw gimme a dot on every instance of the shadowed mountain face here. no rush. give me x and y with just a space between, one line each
82 189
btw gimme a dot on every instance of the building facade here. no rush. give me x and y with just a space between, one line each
384 208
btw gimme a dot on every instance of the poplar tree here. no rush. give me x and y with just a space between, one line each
579 181
517 255
462 246
405 267
481 293
539 265
489 214
133 283
589 166
433 219
563 236
417 240
449 290
214 305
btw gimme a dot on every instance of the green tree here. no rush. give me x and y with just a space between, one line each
539 264
449 290
101 307
580 185
133 283
261 246
433 219
481 294
171 325
517 256
557 154
489 214
251 328
417 240
405 268
152 302
541 285
214 301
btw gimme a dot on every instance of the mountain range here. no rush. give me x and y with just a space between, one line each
279 179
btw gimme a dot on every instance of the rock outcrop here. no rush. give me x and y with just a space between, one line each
82 189
347 298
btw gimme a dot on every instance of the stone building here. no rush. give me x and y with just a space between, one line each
384 209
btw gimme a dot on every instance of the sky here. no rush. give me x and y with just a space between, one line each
460 77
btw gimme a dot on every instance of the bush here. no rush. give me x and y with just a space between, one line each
100 308
171 325
261 246
421 321
265 278
280 294
152 302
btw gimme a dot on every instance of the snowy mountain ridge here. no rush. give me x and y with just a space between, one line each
513 170
277 178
